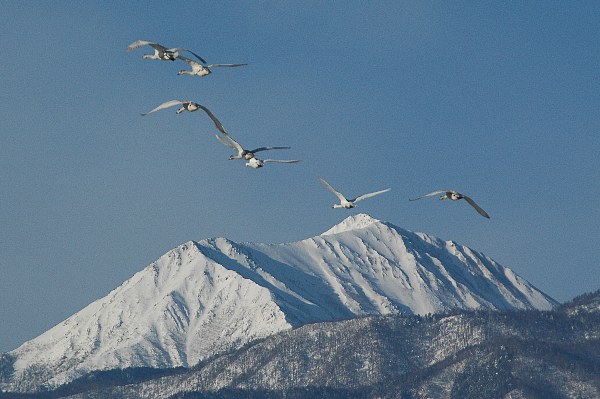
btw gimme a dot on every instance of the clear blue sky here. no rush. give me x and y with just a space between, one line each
498 100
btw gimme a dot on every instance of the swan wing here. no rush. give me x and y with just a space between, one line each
237 145
224 65
214 119
140 43
179 49
164 105
337 194
191 63
224 141
369 195
477 207
156 46
429 194
281 160
220 127
269 148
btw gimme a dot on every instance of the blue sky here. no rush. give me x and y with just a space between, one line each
497 100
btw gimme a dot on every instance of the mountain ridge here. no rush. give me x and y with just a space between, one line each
213 295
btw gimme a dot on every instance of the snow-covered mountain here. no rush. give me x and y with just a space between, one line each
206 297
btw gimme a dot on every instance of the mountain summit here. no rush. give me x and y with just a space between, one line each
354 222
206 297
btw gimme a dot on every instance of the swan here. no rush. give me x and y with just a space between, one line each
186 105
228 141
161 52
199 69
455 196
346 203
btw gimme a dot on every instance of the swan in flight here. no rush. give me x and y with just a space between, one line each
161 52
185 105
346 203
228 141
199 69
455 196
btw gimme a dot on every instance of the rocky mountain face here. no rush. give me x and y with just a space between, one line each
206 298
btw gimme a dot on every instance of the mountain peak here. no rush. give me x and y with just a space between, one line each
354 222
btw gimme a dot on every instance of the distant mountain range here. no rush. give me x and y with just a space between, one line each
207 298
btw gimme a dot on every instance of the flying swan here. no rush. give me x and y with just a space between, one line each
161 52
346 203
199 69
455 196
242 153
185 106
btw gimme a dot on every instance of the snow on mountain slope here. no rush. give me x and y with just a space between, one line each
209 296
176 311
379 268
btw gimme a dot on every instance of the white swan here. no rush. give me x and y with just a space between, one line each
455 196
199 69
346 203
161 52
186 106
228 141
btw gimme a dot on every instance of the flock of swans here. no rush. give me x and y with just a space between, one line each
202 68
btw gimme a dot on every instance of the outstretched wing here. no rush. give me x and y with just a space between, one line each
224 65
140 43
178 49
429 195
236 145
214 119
281 160
477 208
269 148
224 142
220 127
164 105
337 194
191 63
369 195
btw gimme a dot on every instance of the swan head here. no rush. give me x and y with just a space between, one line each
184 72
